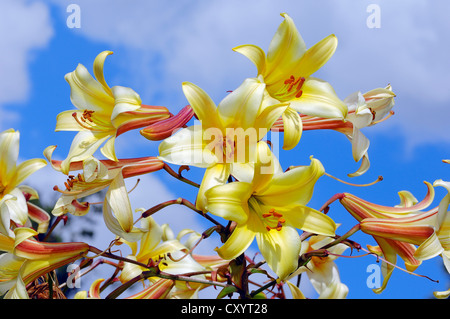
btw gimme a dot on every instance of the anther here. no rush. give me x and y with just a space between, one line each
292 82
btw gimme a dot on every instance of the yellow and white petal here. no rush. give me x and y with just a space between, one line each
285 50
280 249
109 150
229 201
99 63
309 220
215 175
293 128
10 266
360 144
319 99
83 146
254 54
114 226
125 100
292 187
87 93
430 248
65 121
364 167
9 144
189 147
204 107
240 108
117 198
18 291
17 207
295 291
26 168
316 56
267 118
5 219
151 238
266 166
238 242
130 270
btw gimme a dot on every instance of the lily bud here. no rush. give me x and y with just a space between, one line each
380 101
165 128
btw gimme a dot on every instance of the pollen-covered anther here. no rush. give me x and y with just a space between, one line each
291 82
86 116
274 218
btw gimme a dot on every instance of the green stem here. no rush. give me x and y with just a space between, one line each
261 289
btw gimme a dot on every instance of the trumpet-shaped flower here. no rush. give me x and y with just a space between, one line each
287 71
225 141
25 259
428 230
391 246
364 110
322 271
98 175
271 208
172 257
103 113
14 206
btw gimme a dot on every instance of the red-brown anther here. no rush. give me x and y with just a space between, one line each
269 219
292 82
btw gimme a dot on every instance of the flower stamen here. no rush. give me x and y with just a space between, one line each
270 216
291 82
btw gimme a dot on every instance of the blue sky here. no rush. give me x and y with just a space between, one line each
157 45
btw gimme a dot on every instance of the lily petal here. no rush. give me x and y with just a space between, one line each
316 56
9 144
237 243
215 175
187 147
319 99
26 168
229 201
285 50
293 187
203 106
99 62
280 249
310 220
293 128
254 54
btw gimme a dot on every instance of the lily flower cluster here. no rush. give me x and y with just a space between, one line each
244 193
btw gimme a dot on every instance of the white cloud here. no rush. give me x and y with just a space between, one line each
192 40
24 27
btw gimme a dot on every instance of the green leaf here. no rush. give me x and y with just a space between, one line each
226 291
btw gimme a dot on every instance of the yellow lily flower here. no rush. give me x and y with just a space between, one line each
157 245
103 113
270 208
389 246
287 70
14 206
322 271
25 259
225 141
429 230
98 175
